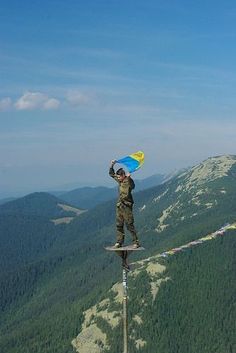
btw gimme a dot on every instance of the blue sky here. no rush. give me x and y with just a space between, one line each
85 82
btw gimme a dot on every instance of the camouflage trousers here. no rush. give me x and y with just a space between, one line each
124 215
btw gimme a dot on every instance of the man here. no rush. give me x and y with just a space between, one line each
124 206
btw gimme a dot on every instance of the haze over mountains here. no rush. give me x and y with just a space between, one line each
52 274
88 197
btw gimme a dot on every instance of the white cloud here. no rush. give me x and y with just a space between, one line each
5 104
36 100
30 101
78 98
51 103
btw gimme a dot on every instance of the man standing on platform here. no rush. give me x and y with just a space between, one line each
124 206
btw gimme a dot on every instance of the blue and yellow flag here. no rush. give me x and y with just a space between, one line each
133 162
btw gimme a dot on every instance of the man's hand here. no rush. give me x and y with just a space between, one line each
128 175
113 162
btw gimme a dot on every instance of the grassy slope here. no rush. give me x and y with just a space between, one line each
194 310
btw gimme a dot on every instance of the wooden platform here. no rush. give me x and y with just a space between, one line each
124 248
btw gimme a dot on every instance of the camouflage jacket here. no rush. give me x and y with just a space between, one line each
125 188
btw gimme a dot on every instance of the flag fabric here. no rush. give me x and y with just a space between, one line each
132 162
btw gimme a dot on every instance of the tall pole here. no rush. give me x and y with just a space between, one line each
125 316
123 253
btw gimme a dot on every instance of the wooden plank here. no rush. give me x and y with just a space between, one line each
124 248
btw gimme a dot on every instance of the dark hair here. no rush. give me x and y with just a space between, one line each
120 172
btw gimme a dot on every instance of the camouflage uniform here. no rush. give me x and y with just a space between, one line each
124 208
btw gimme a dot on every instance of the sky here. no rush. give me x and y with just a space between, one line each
85 82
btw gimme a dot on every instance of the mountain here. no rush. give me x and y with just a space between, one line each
89 197
183 303
27 227
149 182
175 304
204 192
38 204
2 201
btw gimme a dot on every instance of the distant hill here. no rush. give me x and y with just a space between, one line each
2 201
27 227
37 204
182 304
149 182
89 197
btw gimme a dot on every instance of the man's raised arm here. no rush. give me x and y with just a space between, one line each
111 170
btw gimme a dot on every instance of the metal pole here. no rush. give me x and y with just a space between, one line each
125 317
123 253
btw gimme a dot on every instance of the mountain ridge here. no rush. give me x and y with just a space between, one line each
38 204
75 273
89 197
92 336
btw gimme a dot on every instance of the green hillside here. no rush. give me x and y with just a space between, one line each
37 204
88 197
73 272
195 310
5 200
182 304
23 238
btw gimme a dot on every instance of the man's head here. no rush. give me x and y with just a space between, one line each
121 174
